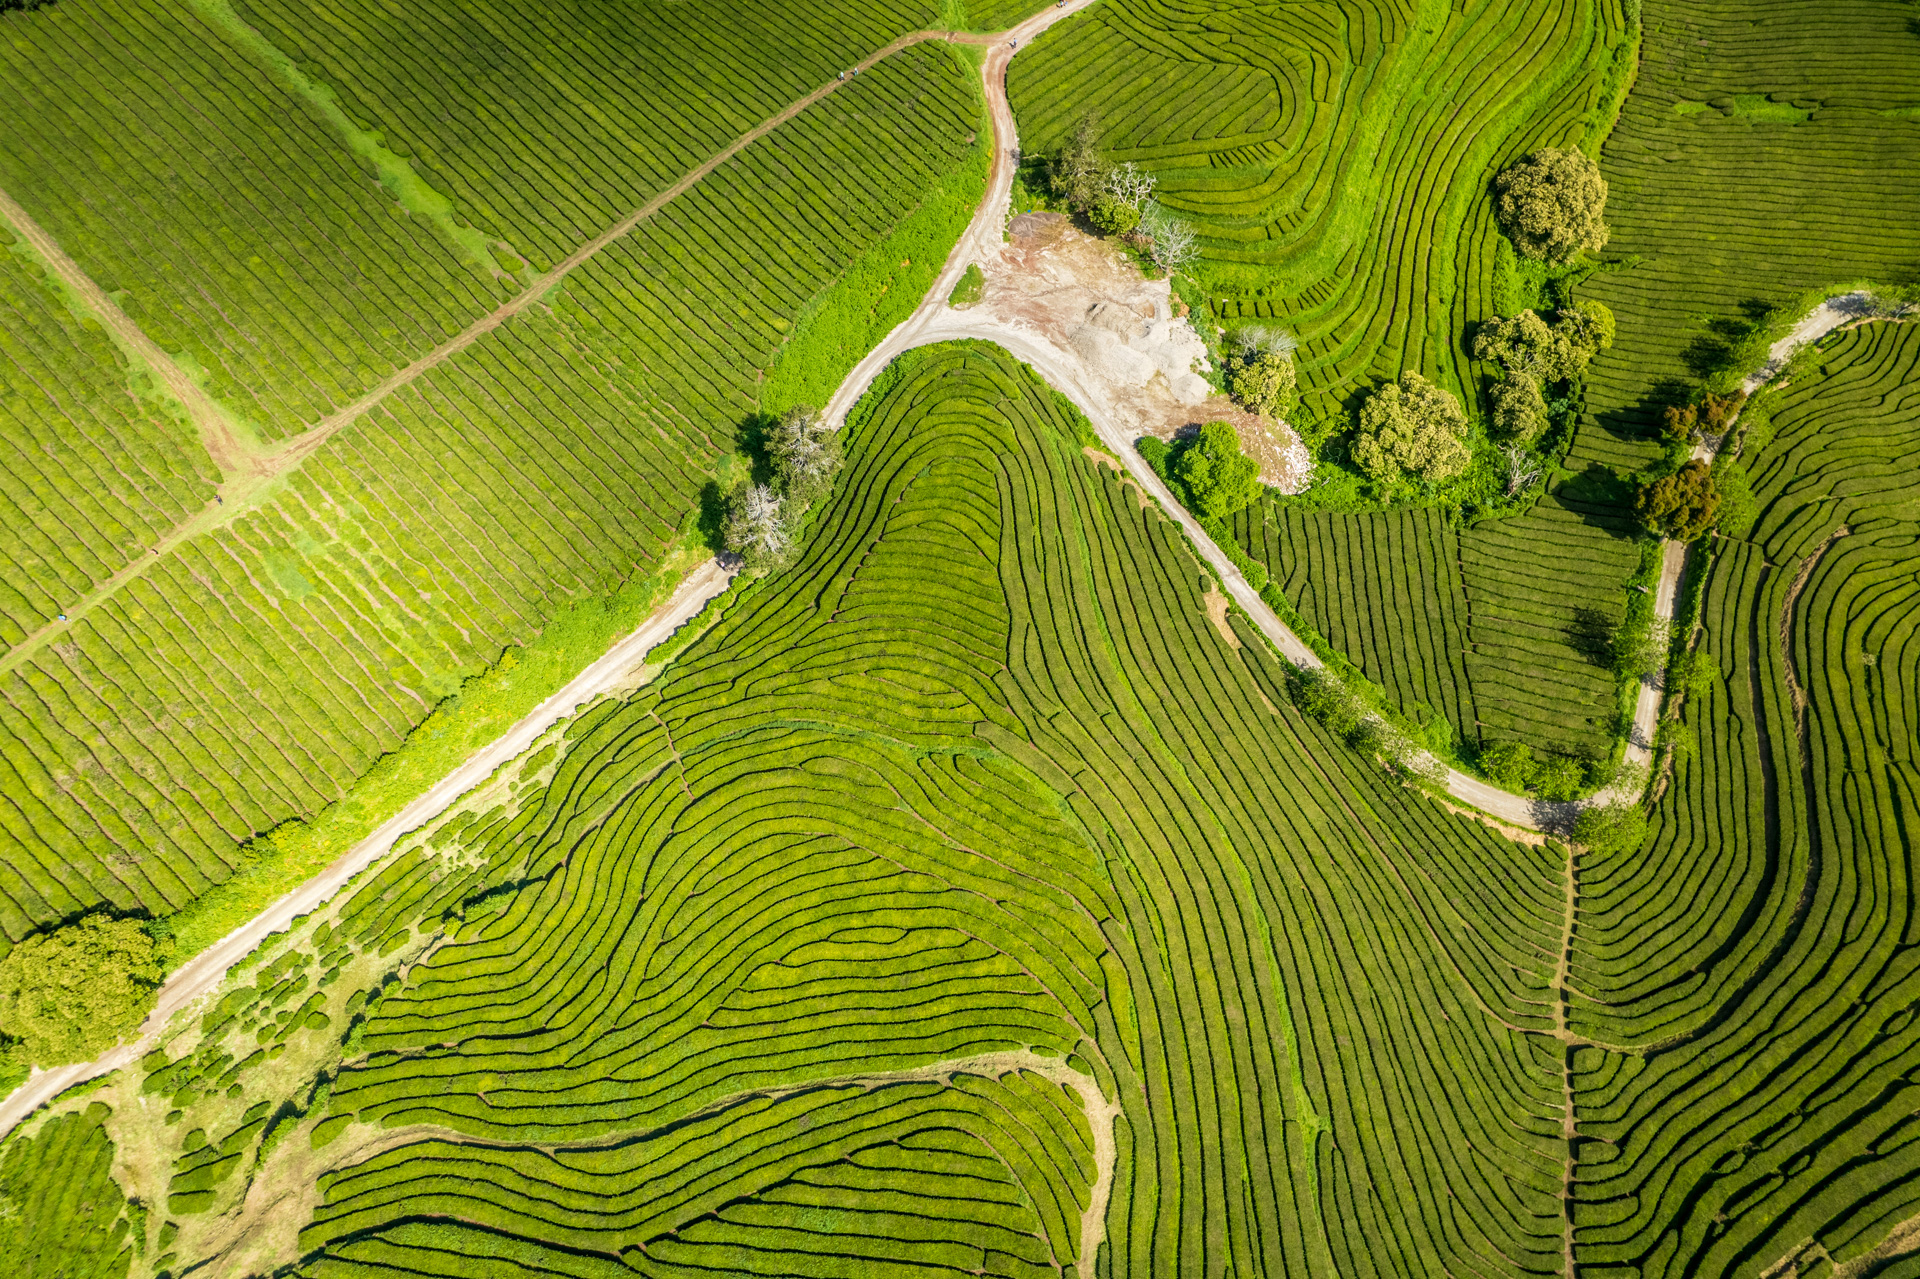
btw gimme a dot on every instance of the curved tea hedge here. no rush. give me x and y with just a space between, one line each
1784 135
978 774
253 674
774 966
1761 946
1335 156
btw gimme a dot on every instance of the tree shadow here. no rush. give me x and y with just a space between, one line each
1724 346
711 520
1602 498
1590 634
753 440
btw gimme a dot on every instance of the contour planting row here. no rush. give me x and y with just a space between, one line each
1384 588
1762 945
253 674
545 125
976 774
1334 157
245 236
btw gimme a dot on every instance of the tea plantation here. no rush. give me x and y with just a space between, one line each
975 891
251 675
1334 155
967 879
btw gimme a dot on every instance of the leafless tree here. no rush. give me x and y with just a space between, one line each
757 528
1261 340
1523 470
1131 185
1174 244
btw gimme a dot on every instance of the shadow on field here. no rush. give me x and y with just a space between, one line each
1590 634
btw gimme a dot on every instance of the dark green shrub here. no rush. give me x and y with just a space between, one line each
1219 478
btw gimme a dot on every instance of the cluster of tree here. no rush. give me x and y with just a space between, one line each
1260 373
68 995
763 520
1713 415
23 4
1118 199
1219 478
1411 428
1514 766
1534 354
1683 505
1552 204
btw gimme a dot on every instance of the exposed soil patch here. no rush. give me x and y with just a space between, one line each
1081 294
1217 614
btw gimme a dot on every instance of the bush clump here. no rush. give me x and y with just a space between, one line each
1411 428
1610 828
1533 354
1552 204
971 288
763 520
1682 506
1260 373
70 994
1219 478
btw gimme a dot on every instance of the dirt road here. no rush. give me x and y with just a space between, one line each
1842 308
200 975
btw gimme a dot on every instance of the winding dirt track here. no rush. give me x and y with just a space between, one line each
1842 308
200 975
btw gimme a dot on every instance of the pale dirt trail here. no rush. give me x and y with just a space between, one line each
250 469
1843 308
199 976
934 321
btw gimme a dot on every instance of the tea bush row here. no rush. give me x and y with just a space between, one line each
976 773
253 674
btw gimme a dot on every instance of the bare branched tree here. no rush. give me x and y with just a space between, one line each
1261 340
757 528
1174 244
806 454
1523 470
1131 185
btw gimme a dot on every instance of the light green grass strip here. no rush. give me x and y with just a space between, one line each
396 172
879 290
486 706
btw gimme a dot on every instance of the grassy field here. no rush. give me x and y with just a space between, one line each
252 675
1335 156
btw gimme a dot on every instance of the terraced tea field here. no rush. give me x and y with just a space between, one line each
1761 946
252 673
1334 155
971 898
970 895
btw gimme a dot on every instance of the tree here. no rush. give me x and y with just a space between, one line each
756 529
1558 777
1610 828
1682 505
1557 352
1519 408
1131 185
1552 204
68 995
1219 478
1173 242
1077 172
1411 427
1111 215
806 455
1263 380
1509 764
1589 328
1523 470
